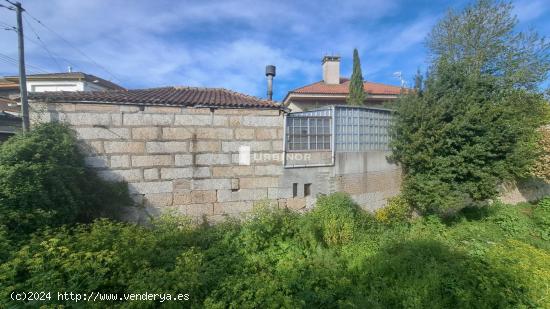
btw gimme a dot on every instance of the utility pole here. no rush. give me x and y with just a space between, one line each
22 73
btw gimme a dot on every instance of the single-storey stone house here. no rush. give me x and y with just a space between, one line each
210 153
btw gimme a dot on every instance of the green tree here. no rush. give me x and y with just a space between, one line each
474 123
44 182
356 91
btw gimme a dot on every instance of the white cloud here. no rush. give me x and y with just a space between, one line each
528 10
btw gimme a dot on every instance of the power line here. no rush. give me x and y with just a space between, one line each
43 45
74 47
7 59
7 7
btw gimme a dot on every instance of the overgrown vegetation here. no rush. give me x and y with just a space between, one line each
44 182
497 257
472 122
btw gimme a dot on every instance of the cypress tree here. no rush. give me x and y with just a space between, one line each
356 92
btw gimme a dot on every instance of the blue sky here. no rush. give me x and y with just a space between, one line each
228 43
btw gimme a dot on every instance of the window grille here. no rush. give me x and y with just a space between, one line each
308 133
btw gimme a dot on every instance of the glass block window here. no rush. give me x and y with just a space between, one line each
308 133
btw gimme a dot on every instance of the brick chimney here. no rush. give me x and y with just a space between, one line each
331 70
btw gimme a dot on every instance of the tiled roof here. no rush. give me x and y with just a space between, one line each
70 75
343 88
167 96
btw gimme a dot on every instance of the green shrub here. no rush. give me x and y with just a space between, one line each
397 210
336 216
44 182
541 215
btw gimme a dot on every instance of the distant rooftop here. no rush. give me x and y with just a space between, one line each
166 96
343 88
68 76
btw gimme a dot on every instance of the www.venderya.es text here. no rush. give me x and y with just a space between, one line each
96 296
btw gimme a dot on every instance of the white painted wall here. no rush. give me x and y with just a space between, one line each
61 85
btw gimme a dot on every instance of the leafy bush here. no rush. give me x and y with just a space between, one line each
397 210
541 169
336 215
44 182
281 259
541 215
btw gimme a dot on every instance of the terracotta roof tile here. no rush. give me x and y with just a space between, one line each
343 88
167 96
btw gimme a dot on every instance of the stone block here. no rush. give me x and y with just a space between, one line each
203 196
120 161
141 119
176 173
182 185
182 198
215 133
259 182
198 210
91 147
254 146
152 160
244 134
220 121
264 170
231 171
97 162
213 159
201 172
151 187
266 133
116 120
146 133
151 174
205 146
277 145
183 159
103 133
233 207
177 133
210 184
262 121
235 121
193 120
296 203
81 107
167 147
241 195
158 199
124 147
86 119
120 175
163 109
129 108
279 193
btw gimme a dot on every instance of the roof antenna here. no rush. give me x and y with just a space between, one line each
270 73
399 76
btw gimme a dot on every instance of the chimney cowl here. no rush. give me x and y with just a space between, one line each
270 70
270 73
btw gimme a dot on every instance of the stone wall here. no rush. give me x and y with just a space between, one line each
186 160
181 159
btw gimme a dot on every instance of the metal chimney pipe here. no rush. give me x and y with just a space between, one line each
270 73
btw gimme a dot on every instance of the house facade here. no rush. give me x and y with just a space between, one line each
334 90
69 81
212 153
